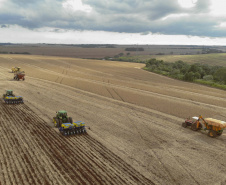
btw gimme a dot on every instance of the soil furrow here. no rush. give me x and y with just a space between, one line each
35 130
20 143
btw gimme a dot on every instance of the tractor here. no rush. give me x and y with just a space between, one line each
66 125
15 69
19 75
61 117
10 98
215 127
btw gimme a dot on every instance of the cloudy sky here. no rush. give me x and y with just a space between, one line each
201 22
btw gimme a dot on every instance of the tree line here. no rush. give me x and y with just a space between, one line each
202 73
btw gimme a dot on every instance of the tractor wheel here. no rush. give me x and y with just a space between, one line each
212 133
68 132
23 79
57 123
60 123
184 124
64 132
70 120
219 134
194 127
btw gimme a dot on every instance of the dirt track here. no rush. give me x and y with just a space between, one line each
135 119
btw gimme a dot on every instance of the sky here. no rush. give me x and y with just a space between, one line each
184 22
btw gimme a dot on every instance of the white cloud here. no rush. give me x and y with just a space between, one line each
187 3
218 8
76 5
174 16
17 34
59 18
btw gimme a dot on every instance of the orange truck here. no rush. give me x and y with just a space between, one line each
214 127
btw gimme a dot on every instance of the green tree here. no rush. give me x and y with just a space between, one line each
197 75
189 76
220 75
208 77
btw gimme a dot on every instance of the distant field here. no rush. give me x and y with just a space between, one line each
210 59
102 51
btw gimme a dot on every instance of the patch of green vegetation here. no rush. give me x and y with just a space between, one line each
212 59
209 59
214 76
211 84
6 52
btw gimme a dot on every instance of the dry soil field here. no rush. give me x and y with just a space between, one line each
135 117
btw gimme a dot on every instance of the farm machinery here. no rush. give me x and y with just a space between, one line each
66 125
213 126
15 69
19 75
10 98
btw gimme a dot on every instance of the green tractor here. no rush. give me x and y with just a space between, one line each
61 117
10 98
66 125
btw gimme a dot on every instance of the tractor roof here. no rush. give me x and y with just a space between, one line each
9 90
62 111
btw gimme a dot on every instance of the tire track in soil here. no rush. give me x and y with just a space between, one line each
160 141
89 161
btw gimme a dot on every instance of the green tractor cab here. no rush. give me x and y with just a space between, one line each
61 117
10 98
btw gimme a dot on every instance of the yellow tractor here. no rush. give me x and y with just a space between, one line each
15 69
215 127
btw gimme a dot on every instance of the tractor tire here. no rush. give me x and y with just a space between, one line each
57 123
23 79
60 123
194 127
184 124
70 120
65 133
212 133
219 134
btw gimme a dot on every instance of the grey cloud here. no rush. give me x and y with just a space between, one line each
132 16
4 26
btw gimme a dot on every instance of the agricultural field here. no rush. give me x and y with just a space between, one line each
169 52
135 117
213 59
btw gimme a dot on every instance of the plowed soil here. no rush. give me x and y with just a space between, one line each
135 117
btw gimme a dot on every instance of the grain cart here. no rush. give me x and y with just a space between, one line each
66 125
15 69
19 76
10 98
215 127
